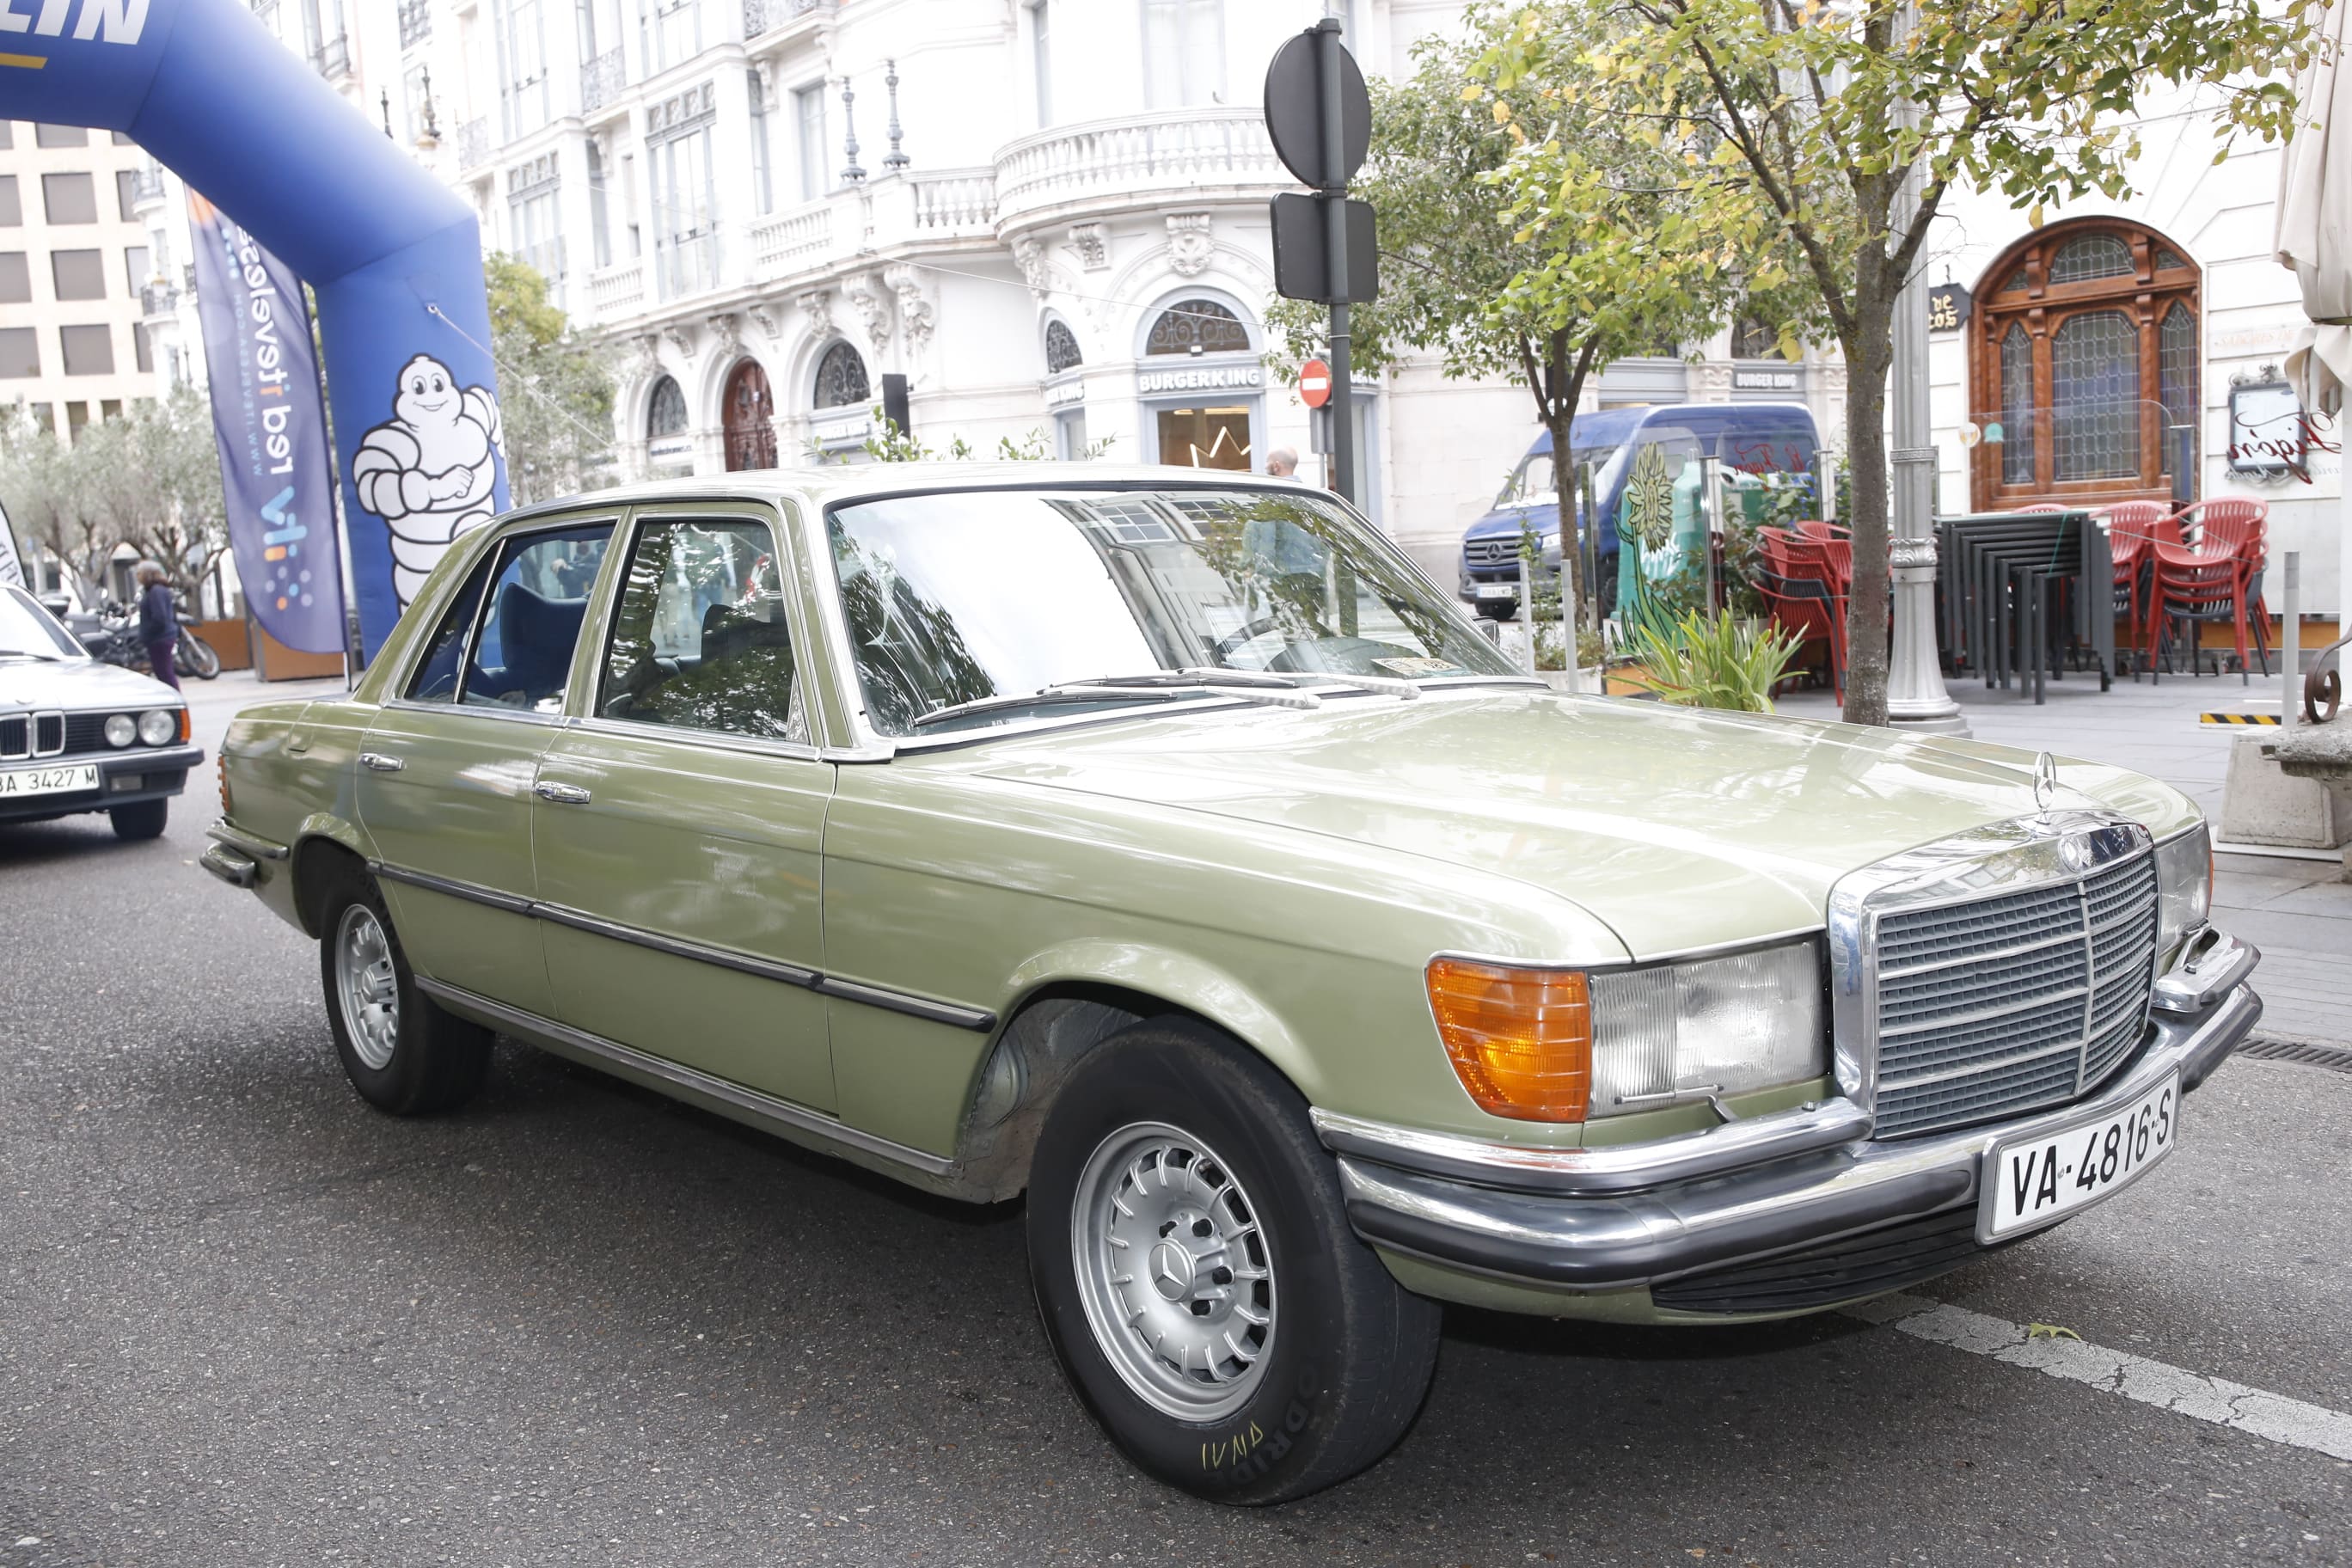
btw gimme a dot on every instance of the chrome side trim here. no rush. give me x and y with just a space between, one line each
1613 1168
448 887
766 969
797 1122
899 1001
223 831
952 1014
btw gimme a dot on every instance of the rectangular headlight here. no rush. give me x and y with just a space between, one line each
1674 1032
2184 886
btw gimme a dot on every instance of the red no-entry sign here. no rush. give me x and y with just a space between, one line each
1315 384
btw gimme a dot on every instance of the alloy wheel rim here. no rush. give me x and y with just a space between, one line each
1174 1271
367 987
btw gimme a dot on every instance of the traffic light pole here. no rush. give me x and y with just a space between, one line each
1334 228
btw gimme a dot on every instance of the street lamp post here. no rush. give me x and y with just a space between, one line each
1916 698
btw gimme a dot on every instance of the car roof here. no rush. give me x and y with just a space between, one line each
826 486
1613 426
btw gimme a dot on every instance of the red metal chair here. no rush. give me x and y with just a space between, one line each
2131 526
1797 591
2200 585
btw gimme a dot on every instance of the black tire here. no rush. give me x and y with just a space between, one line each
434 1061
1349 1353
141 819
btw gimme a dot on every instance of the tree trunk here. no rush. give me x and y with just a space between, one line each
1571 559
1865 443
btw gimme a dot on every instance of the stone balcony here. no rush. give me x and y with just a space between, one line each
1137 162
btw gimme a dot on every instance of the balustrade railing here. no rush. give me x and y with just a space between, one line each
767 15
333 57
474 143
416 22
1164 151
954 201
615 290
790 242
602 80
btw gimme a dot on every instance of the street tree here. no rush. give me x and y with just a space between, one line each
1808 119
555 390
1616 260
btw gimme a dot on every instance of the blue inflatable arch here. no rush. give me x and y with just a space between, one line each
393 257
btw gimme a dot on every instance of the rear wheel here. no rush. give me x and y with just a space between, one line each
1197 1278
144 819
404 1053
195 657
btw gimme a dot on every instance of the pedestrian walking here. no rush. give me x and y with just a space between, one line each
159 623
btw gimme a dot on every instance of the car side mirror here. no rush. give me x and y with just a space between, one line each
56 605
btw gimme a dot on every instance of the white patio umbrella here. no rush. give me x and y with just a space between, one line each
2315 221
2314 239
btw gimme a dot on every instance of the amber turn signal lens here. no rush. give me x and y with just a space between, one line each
1520 1039
186 729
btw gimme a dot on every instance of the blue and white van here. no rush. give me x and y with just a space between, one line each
1755 439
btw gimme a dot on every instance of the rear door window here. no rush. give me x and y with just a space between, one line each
531 616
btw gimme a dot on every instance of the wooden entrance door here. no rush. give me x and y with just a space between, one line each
750 411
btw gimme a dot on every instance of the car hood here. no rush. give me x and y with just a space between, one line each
77 684
1679 828
1511 521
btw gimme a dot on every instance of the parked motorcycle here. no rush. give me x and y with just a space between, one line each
115 640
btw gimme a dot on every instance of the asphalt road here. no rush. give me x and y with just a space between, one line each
244 1320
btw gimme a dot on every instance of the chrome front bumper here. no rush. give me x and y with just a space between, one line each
1613 1218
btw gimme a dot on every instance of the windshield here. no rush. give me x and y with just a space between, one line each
956 597
28 631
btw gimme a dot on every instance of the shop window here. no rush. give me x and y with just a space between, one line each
1197 326
841 379
2087 356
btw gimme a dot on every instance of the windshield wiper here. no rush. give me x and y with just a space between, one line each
32 653
1158 686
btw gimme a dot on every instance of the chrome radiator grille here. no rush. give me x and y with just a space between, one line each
2009 1004
1503 549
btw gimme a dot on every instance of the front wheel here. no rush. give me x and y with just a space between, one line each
195 657
404 1053
1197 1278
144 819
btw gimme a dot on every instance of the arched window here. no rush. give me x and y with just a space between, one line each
841 378
666 414
2085 350
1061 348
1197 326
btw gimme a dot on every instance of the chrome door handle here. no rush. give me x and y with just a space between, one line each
562 794
380 762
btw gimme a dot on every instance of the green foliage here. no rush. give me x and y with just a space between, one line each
1716 661
149 478
1796 125
889 444
555 389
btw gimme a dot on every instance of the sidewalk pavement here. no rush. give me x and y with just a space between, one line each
2298 911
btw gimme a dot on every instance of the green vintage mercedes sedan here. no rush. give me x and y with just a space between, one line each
1162 846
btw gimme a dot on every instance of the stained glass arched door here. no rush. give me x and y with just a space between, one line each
748 410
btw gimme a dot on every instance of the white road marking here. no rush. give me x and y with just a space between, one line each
2200 1398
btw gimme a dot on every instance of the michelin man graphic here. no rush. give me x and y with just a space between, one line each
429 469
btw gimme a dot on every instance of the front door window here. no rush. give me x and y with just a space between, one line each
700 640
